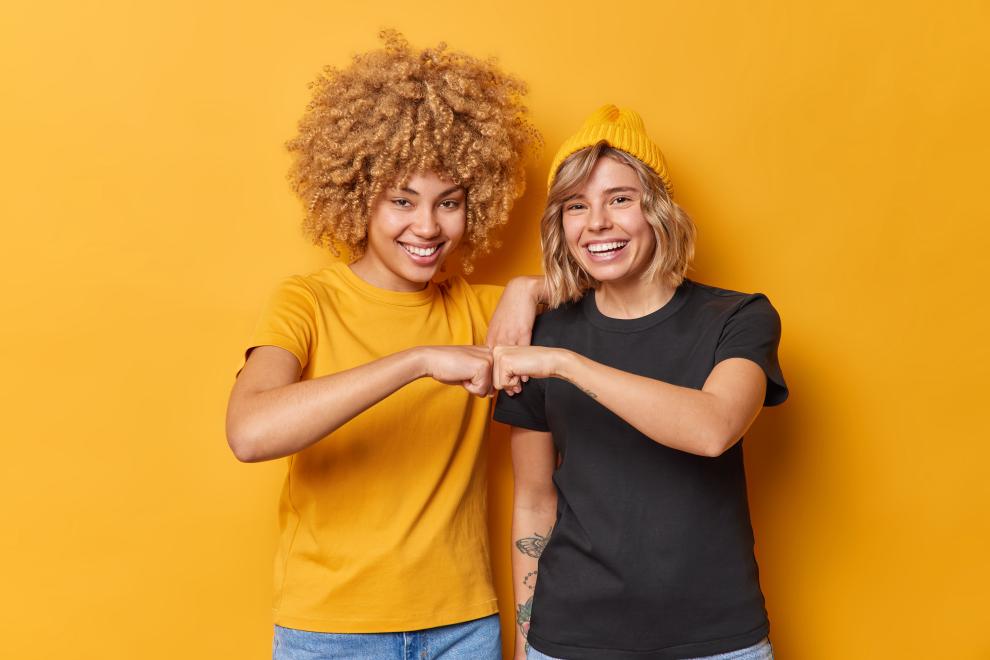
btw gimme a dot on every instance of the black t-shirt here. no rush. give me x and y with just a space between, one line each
652 552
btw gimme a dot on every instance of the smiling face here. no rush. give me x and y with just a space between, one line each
604 226
412 229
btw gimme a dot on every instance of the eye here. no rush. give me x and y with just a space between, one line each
621 199
450 204
574 206
402 202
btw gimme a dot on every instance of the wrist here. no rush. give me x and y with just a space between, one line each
417 362
565 363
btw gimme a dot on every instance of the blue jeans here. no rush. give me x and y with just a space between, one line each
471 640
759 651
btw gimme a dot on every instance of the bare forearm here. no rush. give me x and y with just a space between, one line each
678 417
532 525
278 422
512 322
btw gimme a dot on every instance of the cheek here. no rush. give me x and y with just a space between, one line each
635 224
572 237
572 231
381 227
454 227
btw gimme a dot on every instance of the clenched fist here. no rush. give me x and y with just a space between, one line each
469 366
514 365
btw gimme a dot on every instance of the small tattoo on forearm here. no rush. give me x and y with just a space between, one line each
531 574
588 392
533 545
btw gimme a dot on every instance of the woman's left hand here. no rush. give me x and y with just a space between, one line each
513 365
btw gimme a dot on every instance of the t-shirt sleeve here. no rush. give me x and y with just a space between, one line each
288 320
526 409
753 332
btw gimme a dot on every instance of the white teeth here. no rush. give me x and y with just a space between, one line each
606 247
420 252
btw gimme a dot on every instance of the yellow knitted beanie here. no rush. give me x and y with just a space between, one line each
622 129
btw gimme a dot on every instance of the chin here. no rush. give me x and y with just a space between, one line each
607 274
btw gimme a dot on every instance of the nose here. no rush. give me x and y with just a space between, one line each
425 224
598 219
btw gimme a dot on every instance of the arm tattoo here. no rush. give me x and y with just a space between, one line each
523 613
588 392
533 545
531 574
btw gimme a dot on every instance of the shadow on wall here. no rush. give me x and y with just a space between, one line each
776 456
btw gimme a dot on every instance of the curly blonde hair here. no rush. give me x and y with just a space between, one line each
395 112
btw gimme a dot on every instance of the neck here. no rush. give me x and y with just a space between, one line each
632 299
375 275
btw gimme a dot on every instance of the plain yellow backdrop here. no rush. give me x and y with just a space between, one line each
834 156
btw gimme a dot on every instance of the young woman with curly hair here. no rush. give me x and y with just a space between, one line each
626 440
373 379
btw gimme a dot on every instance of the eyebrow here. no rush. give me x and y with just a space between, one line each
406 189
607 191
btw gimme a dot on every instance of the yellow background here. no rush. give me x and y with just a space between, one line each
833 156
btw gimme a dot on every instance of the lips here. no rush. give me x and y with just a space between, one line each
605 250
423 255
602 248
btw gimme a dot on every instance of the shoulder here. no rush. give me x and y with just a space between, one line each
736 317
324 280
458 288
480 300
566 313
297 288
551 324
725 303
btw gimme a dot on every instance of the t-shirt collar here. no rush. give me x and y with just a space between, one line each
599 320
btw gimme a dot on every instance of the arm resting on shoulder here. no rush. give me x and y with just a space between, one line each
512 321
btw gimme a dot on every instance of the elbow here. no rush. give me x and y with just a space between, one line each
243 451
535 498
716 440
243 443
713 450
245 454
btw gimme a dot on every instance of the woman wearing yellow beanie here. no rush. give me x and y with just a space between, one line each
626 443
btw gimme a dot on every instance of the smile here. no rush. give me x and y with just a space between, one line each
419 251
423 255
605 251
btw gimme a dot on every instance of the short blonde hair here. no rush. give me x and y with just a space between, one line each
399 111
673 228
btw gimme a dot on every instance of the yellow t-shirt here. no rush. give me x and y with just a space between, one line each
383 522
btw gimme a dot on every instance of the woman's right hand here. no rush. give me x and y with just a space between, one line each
468 366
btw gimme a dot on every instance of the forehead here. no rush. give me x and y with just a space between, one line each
609 173
427 182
